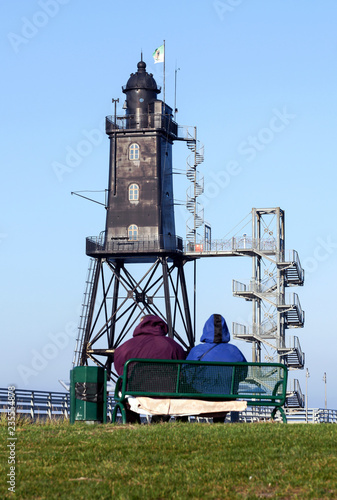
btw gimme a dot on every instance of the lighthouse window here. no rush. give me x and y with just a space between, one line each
134 192
133 232
134 152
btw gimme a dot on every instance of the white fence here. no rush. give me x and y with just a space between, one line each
43 404
312 416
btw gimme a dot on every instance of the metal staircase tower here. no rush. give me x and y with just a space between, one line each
273 310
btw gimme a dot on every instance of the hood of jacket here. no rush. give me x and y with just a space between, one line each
151 325
215 330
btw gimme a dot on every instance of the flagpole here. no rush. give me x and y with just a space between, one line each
164 71
175 91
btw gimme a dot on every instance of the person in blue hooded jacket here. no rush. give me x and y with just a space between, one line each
215 343
215 346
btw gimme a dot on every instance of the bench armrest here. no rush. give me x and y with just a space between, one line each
118 388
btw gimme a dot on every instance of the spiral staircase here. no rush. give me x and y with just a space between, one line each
196 189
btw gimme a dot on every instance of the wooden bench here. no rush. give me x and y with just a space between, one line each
260 384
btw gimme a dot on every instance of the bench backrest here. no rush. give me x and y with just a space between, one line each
265 382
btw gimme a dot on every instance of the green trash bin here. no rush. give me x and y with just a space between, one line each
88 394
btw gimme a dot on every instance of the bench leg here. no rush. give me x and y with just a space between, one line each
281 410
122 410
235 417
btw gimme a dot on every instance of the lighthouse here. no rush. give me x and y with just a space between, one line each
139 231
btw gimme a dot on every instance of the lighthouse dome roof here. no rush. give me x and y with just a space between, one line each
141 80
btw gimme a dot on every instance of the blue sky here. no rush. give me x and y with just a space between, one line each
241 62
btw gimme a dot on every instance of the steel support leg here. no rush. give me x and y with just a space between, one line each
167 298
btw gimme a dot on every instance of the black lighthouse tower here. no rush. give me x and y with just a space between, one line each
140 206
137 262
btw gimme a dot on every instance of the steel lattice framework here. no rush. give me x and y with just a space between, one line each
117 298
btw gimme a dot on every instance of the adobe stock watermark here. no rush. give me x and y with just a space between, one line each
323 250
249 150
11 438
31 27
41 358
266 135
224 7
74 156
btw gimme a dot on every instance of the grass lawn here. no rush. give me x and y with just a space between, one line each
174 460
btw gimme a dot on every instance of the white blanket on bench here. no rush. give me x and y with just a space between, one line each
183 407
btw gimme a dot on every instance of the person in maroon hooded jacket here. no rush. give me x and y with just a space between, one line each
149 342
